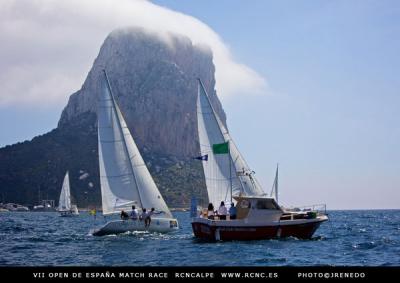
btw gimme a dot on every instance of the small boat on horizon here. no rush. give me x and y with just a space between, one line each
124 178
65 208
45 206
229 179
14 207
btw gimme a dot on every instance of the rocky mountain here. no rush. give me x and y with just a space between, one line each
153 78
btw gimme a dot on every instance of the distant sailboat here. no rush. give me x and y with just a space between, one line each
64 205
229 179
124 177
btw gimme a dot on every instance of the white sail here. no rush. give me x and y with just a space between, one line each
224 173
249 183
64 202
124 178
275 185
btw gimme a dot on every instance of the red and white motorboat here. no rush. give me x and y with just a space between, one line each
229 179
258 218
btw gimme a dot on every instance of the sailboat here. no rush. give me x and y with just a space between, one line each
124 178
229 179
65 208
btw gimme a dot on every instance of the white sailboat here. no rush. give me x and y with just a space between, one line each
229 179
65 208
124 177
227 175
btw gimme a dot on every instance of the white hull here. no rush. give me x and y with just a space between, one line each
161 225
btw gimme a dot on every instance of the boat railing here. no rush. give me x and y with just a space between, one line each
319 208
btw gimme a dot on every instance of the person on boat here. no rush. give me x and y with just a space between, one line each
145 216
153 212
203 213
232 211
124 215
93 212
150 214
134 213
210 213
222 211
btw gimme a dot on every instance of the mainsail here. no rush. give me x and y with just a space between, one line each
64 203
124 178
226 175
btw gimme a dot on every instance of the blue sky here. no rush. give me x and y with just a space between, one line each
330 113
332 116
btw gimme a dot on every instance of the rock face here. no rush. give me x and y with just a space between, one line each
154 82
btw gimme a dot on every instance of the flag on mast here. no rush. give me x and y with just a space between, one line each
221 148
202 158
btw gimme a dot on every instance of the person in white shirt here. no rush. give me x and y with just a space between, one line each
134 213
222 211
145 216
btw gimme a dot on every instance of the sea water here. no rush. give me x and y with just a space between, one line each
361 238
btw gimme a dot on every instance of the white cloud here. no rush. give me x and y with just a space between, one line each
47 47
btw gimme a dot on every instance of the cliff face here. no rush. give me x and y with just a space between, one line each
154 82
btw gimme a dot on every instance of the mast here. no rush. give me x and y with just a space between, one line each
276 182
124 143
230 169
68 191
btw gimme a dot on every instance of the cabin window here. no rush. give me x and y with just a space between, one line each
245 204
263 204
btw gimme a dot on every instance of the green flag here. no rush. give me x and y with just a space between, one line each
221 148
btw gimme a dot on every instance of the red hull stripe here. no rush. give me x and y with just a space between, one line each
301 231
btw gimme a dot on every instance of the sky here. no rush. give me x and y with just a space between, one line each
311 85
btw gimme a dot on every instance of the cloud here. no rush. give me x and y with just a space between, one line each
47 47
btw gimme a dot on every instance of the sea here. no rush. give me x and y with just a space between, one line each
350 238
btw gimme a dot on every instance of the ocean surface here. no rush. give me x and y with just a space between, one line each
362 238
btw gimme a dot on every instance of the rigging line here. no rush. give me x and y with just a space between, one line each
220 179
115 204
115 176
139 165
254 181
205 145
132 157
234 162
104 127
110 141
205 113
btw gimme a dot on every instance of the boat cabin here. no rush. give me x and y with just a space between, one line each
257 208
253 209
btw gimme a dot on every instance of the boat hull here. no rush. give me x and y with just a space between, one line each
239 230
161 225
68 213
